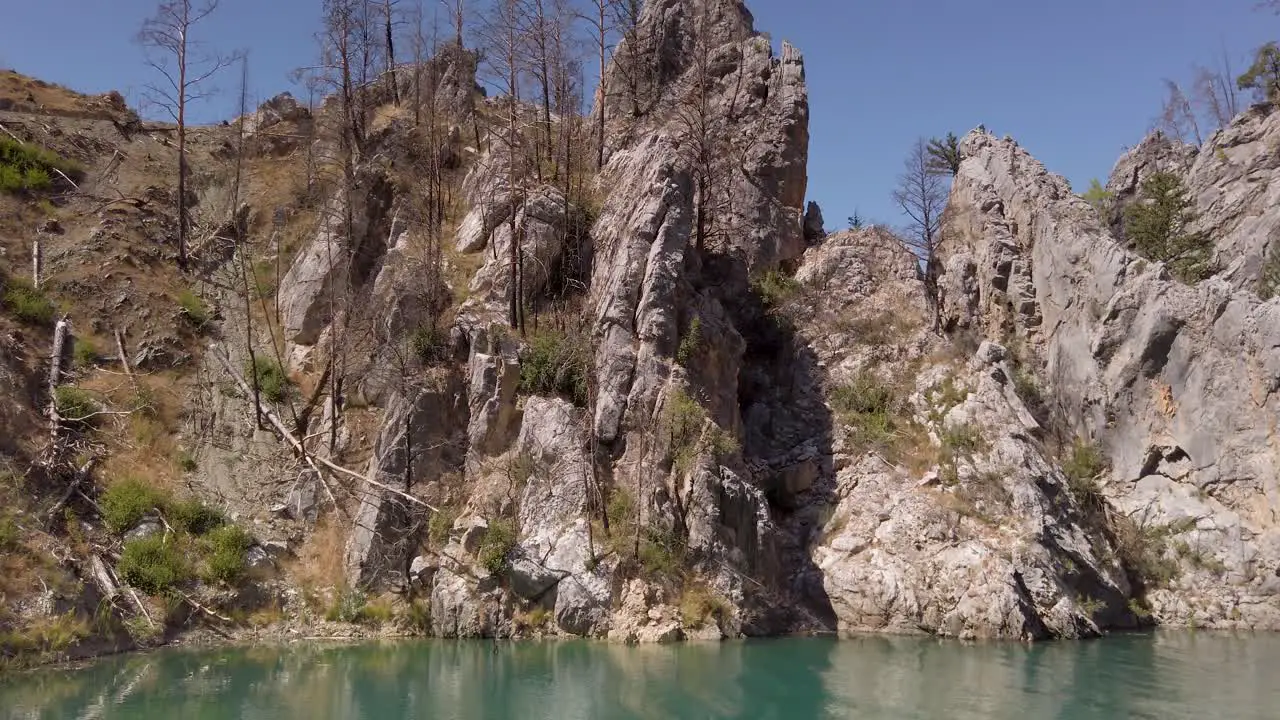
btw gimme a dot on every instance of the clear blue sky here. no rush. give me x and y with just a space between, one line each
1073 80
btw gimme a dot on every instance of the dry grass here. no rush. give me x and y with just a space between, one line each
141 444
321 558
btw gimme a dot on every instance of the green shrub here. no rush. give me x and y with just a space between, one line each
556 364
440 525
348 607
1157 225
84 353
225 549
496 545
25 167
193 309
27 302
774 288
126 502
153 565
1083 465
74 404
691 343
1143 551
430 344
193 516
1101 199
273 381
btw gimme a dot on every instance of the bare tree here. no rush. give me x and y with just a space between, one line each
921 195
505 54
242 246
599 18
167 39
704 144
634 48
1214 92
1177 117
388 17
457 16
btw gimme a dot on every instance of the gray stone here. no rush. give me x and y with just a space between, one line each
1176 382
145 529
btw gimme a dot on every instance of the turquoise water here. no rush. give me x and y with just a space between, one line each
1164 676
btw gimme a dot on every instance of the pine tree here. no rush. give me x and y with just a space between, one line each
1157 226
1263 77
944 155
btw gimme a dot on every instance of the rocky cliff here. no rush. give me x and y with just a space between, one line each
1175 382
506 390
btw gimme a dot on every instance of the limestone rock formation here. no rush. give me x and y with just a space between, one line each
955 523
1176 382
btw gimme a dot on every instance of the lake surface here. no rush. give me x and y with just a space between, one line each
1164 676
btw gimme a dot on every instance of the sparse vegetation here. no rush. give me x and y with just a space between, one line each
193 309
74 404
687 427
774 288
417 616
1101 199
1083 465
1143 550
1269 278
430 344
186 461
273 381
84 353
1157 226
691 343
29 168
1199 558
700 606
153 564
534 618
440 525
10 535
961 440
496 545
554 363
27 302
348 606
866 405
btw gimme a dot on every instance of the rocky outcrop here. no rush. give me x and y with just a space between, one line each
1176 382
1235 182
352 238
418 443
956 523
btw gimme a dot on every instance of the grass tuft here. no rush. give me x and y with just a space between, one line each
27 302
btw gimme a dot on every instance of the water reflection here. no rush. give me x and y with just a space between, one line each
1166 676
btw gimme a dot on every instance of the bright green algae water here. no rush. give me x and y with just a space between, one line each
1164 676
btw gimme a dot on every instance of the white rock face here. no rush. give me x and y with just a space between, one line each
1176 382
992 548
